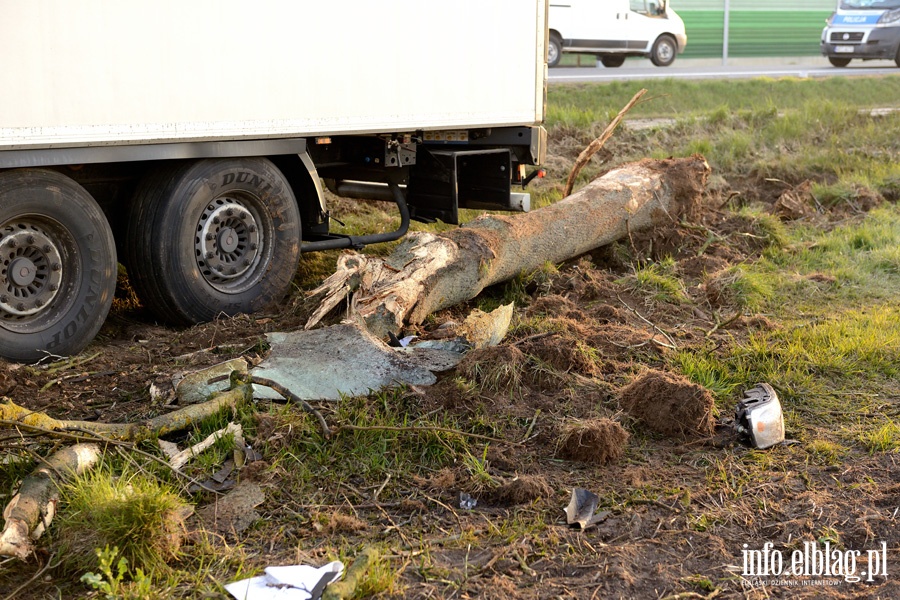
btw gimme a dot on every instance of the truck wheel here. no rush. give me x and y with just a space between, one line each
57 265
212 237
612 61
554 50
838 61
664 49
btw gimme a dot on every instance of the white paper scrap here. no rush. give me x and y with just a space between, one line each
295 582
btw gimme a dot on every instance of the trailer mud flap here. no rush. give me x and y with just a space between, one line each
445 181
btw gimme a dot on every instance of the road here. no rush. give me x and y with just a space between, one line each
705 69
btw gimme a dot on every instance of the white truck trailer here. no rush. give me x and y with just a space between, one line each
190 141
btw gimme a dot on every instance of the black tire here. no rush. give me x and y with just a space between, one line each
664 50
839 61
612 61
554 50
57 265
212 237
897 57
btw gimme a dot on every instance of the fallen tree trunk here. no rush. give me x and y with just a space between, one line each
429 272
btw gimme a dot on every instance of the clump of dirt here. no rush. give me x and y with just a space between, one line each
719 288
556 306
795 203
698 267
497 457
444 480
566 349
606 313
277 432
760 322
411 506
669 404
495 369
821 278
689 184
597 441
7 381
521 490
337 523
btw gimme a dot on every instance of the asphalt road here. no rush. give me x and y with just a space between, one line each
707 69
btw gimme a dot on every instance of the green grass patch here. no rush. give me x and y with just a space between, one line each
834 293
140 516
883 439
657 281
581 104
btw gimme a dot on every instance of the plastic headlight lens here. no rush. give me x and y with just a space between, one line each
890 18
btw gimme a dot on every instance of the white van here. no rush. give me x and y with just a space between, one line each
864 29
615 29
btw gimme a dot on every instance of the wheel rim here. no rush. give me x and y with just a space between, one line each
552 53
665 52
33 271
232 244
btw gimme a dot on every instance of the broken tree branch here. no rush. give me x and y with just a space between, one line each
429 272
595 146
133 432
30 511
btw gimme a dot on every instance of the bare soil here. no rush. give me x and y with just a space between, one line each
585 401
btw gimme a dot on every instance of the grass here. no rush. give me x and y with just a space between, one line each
140 516
884 439
840 333
581 105
657 281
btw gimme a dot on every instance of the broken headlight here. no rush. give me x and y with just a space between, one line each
759 417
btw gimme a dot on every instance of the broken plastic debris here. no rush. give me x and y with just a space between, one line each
296 582
580 511
395 342
759 418
467 502
344 359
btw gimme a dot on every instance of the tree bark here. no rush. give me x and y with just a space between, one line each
32 508
429 272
